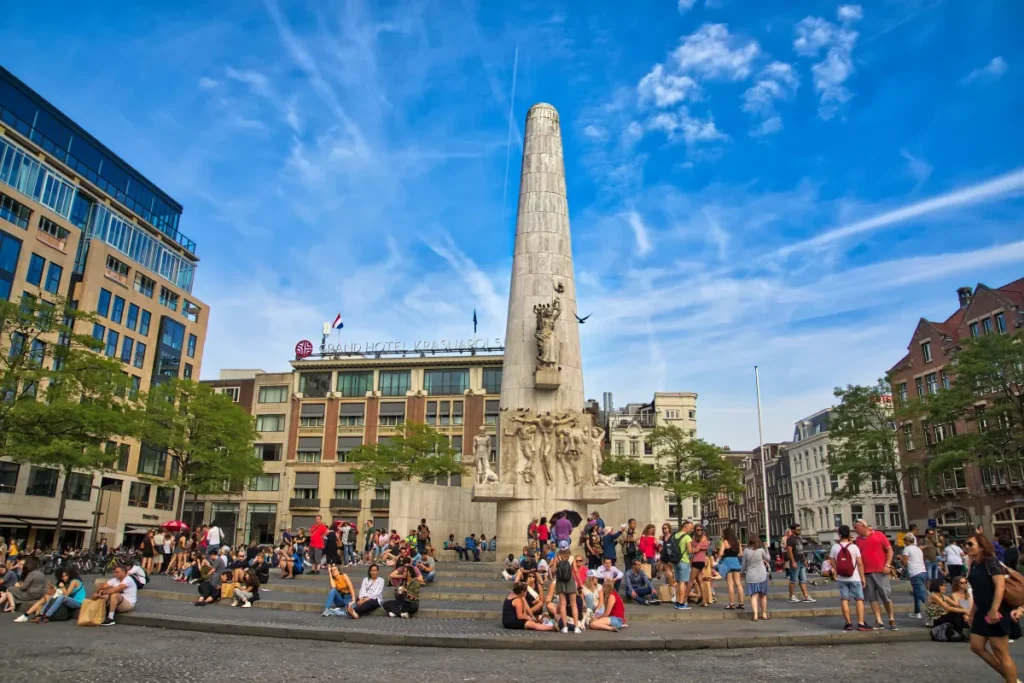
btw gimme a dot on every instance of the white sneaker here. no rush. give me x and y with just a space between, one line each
235 603
673 595
404 615
391 614
793 598
914 615
578 630
565 629
246 604
22 619
810 600
326 613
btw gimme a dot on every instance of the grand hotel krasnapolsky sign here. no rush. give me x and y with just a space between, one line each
304 349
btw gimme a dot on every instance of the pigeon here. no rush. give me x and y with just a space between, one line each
583 319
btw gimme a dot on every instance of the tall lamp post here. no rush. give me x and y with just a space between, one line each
764 464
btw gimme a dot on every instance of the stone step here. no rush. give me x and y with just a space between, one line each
490 608
488 634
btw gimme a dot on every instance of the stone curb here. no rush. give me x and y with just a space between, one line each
663 614
527 642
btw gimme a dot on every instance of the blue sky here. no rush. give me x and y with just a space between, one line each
785 184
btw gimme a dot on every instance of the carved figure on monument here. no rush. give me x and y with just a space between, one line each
524 435
571 446
546 424
547 314
481 453
596 436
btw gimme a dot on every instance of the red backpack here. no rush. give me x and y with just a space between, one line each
845 565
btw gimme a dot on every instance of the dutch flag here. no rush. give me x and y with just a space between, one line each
337 324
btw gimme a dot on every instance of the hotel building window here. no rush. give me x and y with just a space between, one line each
275 394
314 384
309 449
351 414
394 383
270 423
491 412
346 444
392 414
355 384
446 382
307 486
312 415
492 380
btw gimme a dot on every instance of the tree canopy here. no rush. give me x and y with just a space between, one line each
685 467
62 399
980 417
415 451
209 437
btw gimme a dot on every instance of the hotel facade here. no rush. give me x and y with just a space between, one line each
79 222
309 419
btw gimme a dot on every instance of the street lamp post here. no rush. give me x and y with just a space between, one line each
764 464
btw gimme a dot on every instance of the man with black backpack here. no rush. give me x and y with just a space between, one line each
849 572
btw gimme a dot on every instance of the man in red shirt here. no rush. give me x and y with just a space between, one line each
316 543
876 552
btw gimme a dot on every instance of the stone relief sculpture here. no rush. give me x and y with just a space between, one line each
481 453
547 314
524 435
546 425
596 435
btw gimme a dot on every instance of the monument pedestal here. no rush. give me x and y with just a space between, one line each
520 504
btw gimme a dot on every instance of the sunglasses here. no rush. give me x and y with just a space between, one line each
970 544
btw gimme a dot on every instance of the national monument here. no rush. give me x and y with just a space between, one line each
550 449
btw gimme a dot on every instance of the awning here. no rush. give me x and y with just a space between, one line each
43 522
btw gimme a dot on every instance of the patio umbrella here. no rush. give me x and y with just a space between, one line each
573 517
174 526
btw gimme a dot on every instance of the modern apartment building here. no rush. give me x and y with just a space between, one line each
817 514
78 221
971 495
629 429
310 418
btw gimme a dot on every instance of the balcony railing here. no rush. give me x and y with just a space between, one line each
345 503
116 276
380 504
51 241
311 430
302 503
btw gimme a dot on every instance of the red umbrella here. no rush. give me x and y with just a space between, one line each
174 526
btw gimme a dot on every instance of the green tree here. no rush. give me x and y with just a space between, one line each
416 451
981 414
206 435
863 441
62 399
683 466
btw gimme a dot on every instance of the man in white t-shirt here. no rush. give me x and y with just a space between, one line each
953 555
214 536
848 567
913 558
120 595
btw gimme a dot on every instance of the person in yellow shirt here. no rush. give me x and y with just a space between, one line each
342 593
12 552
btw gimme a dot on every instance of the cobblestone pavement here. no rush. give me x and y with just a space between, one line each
60 652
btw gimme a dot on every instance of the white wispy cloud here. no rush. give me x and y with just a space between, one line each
990 72
814 34
207 83
1009 184
640 233
664 89
777 81
259 83
685 5
596 132
712 52
680 124
917 168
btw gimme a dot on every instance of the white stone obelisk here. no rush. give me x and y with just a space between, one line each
549 449
542 271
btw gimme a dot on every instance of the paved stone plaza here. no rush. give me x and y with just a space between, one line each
61 652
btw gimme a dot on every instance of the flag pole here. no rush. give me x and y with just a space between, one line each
764 460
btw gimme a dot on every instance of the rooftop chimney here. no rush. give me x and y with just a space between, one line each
964 294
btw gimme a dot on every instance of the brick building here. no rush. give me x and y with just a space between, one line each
965 497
